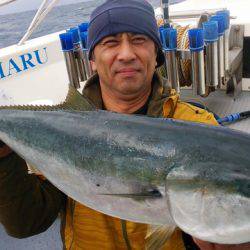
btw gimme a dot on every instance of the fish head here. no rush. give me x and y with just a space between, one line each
210 202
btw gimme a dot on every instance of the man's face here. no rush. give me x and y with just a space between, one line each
125 63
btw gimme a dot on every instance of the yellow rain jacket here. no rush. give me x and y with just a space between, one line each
87 229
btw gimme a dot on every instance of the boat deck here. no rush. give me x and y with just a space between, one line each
223 105
48 240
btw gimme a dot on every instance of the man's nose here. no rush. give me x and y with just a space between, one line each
126 52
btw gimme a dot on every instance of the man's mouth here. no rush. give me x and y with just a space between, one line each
127 72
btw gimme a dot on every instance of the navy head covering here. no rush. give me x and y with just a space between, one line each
118 16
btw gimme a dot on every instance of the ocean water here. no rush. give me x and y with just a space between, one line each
14 26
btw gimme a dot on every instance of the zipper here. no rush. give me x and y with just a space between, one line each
72 211
125 234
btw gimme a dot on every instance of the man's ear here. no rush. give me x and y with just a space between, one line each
93 63
156 55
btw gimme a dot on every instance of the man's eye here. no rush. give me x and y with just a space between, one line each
139 40
110 43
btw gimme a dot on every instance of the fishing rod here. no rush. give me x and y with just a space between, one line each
165 9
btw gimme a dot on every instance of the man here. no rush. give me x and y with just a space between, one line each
124 49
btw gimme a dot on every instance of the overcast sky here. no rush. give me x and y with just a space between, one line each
23 5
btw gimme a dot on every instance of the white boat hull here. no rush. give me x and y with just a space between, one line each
34 71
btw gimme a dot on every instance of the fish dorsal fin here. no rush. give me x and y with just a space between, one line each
157 236
74 101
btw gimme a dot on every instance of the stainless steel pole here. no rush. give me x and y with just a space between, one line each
226 49
226 15
78 54
86 62
198 73
211 62
68 51
196 45
211 56
71 68
169 40
172 70
221 51
88 69
221 61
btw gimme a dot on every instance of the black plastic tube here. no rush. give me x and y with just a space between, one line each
165 6
245 114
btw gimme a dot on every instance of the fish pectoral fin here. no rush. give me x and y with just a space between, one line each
150 194
157 236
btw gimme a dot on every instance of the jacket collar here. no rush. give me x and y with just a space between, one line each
160 94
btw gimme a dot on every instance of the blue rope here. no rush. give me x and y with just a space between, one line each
229 119
234 117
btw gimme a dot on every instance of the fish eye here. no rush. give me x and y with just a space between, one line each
155 192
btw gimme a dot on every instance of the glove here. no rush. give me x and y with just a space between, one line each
2 144
4 150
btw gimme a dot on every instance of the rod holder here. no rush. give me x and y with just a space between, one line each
169 40
78 54
221 52
68 51
87 65
196 45
83 27
211 56
226 15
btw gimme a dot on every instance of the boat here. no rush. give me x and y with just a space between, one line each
5 2
35 72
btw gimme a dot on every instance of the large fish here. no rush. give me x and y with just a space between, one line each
142 169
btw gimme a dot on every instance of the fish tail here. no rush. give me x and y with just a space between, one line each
157 236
